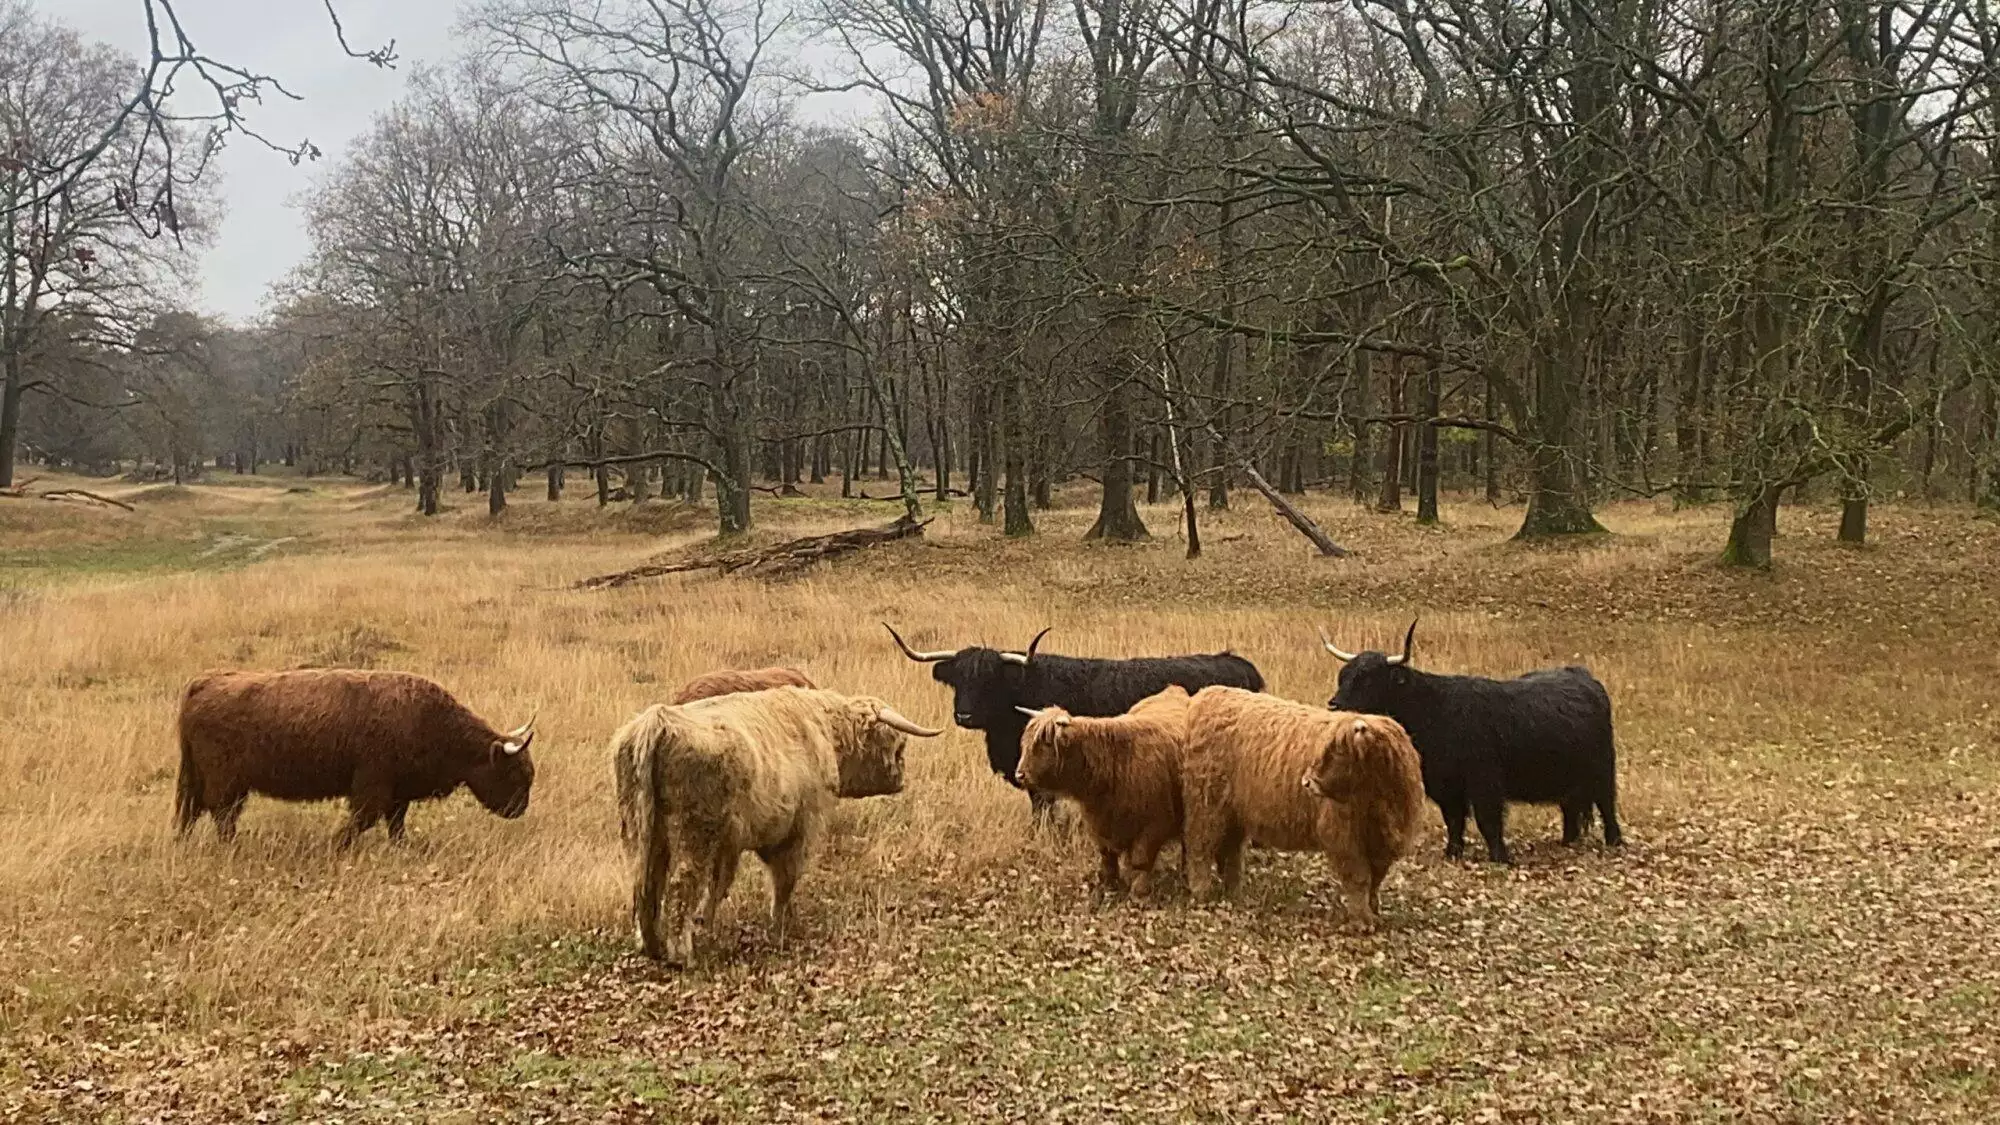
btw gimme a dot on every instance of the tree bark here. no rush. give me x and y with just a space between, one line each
1854 503
11 390
1427 451
1117 516
1015 438
1296 518
1753 529
1361 479
555 483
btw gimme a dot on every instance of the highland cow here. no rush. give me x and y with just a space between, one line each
1543 738
380 739
1242 768
989 687
731 681
702 783
1123 772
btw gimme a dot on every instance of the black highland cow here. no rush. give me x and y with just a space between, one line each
988 685
1543 738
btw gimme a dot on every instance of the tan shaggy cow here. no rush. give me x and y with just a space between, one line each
730 681
701 783
1245 778
379 739
1123 772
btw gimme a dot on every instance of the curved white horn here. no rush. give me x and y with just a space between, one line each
1031 712
888 716
1343 657
1015 658
913 654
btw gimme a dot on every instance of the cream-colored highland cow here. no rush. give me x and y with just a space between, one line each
1257 768
1123 772
702 783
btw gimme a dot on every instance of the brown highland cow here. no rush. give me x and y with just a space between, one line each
1294 777
730 681
379 739
1124 773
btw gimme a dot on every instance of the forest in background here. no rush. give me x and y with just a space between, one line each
1561 252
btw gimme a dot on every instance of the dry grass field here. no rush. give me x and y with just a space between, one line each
1804 927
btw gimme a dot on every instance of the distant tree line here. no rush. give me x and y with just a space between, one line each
1557 253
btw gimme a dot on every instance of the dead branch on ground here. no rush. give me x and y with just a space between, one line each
769 562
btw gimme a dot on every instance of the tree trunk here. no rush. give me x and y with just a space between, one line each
10 415
429 422
1427 451
1360 473
1753 529
1559 500
1390 498
1153 468
986 450
1296 518
1117 516
1854 503
1015 437
555 483
1490 449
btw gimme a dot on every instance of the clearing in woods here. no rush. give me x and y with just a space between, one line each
1802 928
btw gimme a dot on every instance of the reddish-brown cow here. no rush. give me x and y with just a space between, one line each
379 739
730 681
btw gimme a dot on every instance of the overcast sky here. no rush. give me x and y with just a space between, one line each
262 236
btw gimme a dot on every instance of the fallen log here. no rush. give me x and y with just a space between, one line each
769 562
1309 529
71 493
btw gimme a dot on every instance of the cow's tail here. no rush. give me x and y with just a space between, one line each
187 786
633 750
641 820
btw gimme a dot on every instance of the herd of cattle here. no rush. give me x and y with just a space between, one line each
1151 750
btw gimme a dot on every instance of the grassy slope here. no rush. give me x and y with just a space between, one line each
1803 928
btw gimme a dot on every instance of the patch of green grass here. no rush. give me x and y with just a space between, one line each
220 546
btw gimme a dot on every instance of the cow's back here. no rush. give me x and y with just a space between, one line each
1553 730
752 765
301 735
1113 687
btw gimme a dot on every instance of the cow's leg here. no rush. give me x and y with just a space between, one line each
1607 809
787 862
1201 849
1489 809
692 862
1576 818
721 876
1144 853
1452 805
1357 890
1109 880
226 813
397 812
1229 858
369 801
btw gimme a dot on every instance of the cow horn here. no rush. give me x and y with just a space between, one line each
1343 657
1022 658
1408 638
517 740
888 716
1038 712
913 654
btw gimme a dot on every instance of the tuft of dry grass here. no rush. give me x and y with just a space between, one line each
1803 925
